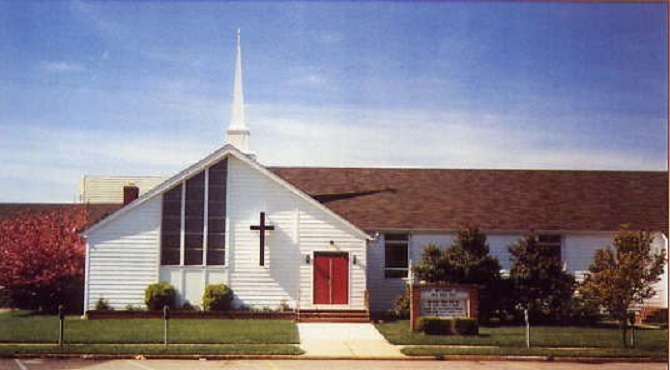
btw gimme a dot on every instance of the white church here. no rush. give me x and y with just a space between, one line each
340 238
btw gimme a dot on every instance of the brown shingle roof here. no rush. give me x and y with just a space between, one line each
391 198
96 211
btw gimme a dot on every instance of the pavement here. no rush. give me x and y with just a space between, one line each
340 340
324 364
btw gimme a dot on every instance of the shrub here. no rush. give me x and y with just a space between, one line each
434 325
463 326
400 310
457 326
160 294
217 297
103 305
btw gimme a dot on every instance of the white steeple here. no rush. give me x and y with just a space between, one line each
237 133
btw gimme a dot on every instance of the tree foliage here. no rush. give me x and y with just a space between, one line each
622 275
540 283
466 261
42 258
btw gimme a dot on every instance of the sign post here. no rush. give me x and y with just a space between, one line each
61 324
525 315
166 318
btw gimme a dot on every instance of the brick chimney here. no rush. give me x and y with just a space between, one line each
130 193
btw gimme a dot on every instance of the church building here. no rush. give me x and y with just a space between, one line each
344 238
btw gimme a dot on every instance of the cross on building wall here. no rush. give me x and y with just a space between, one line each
261 227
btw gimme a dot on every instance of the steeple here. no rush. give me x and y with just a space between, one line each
237 133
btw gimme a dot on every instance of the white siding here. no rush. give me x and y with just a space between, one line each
109 189
300 228
190 281
578 250
124 257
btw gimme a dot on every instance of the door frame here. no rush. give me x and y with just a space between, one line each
349 282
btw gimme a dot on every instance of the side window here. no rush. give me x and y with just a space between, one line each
396 249
550 244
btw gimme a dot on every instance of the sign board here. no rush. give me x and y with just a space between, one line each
444 301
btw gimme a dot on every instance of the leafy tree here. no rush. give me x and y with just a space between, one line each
622 275
467 261
42 258
540 284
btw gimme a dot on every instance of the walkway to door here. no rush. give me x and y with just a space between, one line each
335 340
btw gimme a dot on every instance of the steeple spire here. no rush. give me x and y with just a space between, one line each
237 133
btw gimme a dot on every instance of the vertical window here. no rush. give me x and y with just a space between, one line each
396 248
550 245
171 227
200 219
216 214
194 219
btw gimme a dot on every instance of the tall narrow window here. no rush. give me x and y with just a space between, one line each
186 213
216 214
171 227
396 255
194 219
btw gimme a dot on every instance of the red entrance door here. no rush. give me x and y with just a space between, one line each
331 278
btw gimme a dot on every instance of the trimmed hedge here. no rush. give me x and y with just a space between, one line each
217 297
160 294
437 326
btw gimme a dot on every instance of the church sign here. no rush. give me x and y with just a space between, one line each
444 301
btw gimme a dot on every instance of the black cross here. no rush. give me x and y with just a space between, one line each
262 227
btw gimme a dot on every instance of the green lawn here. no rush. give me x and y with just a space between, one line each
514 336
23 327
154 349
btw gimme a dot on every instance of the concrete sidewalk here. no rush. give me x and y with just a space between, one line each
337 340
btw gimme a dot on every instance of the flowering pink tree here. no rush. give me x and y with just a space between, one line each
42 258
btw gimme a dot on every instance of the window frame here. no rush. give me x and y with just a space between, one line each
397 272
204 228
546 244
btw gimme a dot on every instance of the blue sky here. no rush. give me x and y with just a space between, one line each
126 88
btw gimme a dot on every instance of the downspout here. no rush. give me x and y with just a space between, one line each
86 279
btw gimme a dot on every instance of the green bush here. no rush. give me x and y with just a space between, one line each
434 325
217 297
462 326
437 326
160 294
103 305
400 310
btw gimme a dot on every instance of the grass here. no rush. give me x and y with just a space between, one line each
155 349
658 354
514 336
24 327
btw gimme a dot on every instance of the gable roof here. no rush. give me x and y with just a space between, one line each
439 199
219 154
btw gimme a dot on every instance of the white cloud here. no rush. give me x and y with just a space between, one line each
62 67
42 164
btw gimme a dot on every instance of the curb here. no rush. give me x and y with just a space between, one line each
585 360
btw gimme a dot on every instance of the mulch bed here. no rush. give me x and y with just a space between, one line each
177 314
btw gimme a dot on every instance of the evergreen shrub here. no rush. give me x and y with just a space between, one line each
160 294
217 297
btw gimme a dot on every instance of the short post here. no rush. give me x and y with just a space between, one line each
166 318
632 329
525 315
61 324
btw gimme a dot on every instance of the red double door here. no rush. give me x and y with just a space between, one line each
331 278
